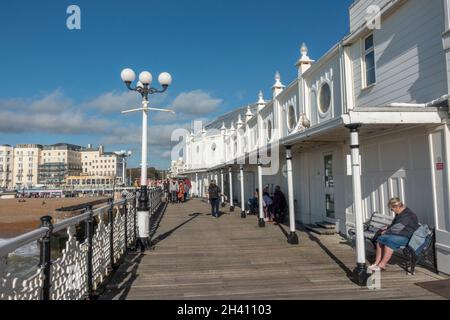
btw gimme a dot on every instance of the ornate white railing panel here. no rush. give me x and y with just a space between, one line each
83 266
100 253
69 273
13 288
119 235
131 212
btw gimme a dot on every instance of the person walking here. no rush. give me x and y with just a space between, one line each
214 194
174 191
181 191
268 202
166 188
279 205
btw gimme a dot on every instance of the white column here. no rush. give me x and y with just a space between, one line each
222 186
360 272
293 238
230 172
243 215
123 171
261 221
143 216
144 145
196 185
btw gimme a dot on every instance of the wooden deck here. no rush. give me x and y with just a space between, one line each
202 258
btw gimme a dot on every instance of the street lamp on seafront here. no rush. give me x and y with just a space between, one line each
144 88
124 155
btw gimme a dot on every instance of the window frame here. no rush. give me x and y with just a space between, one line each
364 54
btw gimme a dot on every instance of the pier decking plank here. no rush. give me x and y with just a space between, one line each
199 257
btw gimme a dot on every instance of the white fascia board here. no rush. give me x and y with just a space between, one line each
317 130
392 117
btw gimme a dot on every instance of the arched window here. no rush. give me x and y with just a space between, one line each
325 98
269 130
292 117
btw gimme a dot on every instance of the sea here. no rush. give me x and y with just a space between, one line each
24 261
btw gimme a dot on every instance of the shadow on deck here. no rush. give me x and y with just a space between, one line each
195 256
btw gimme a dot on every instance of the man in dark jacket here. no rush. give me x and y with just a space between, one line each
397 235
214 193
279 205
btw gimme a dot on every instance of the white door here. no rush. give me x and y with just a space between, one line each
330 213
439 145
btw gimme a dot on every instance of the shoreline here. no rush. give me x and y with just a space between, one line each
19 218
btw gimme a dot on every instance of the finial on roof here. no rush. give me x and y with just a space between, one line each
240 123
304 50
278 83
249 112
223 127
261 98
304 58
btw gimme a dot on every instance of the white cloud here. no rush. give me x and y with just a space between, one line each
196 102
52 113
53 102
113 102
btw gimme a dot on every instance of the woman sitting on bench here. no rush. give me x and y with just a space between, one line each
395 236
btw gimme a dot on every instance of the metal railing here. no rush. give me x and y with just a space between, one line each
84 264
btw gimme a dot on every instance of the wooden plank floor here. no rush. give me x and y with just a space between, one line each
199 257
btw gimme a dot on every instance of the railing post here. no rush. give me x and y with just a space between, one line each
89 238
111 233
125 212
135 215
45 257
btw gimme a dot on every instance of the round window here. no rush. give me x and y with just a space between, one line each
269 130
325 98
292 118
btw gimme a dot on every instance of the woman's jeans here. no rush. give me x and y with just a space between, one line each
215 203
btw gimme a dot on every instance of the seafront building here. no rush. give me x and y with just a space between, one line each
27 158
57 162
382 91
6 166
60 165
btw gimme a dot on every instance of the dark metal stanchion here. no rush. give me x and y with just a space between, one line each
135 215
45 257
111 232
125 213
89 238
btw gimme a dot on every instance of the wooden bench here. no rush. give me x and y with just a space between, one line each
379 221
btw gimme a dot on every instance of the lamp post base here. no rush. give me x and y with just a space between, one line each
293 238
261 223
143 244
360 275
243 215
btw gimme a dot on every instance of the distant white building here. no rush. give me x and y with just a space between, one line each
57 162
177 167
6 166
387 86
98 163
26 165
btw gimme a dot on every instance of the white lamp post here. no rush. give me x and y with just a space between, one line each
124 154
144 88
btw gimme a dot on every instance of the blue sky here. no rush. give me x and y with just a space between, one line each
61 85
